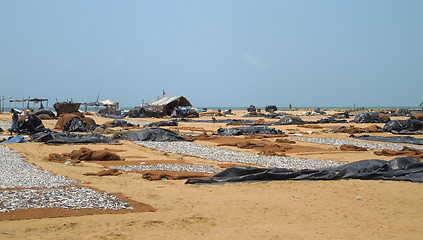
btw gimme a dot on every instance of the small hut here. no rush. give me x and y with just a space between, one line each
111 107
165 105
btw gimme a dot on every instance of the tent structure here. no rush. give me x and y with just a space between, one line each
109 104
27 100
165 105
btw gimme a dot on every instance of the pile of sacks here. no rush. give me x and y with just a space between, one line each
85 154
75 122
371 117
413 125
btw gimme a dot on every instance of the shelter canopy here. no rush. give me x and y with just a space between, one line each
163 101
165 105
106 102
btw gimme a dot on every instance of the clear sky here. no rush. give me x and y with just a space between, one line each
216 53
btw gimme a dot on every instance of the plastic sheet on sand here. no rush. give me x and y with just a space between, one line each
401 139
16 139
398 169
247 131
71 138
403 126
154 134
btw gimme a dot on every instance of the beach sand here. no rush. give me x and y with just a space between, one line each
170 209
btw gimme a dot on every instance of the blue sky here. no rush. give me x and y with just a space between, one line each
215 53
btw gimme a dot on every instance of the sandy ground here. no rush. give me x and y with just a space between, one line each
347 209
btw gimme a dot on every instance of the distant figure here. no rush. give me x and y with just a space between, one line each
15 118
290 106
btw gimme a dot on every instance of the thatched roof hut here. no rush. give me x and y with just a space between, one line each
165 105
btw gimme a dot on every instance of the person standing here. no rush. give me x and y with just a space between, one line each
15 118
290 106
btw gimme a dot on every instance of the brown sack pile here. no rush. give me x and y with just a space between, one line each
347 147
108 172
66 117
418 116
271 149
354 130
85 154
406 151
385 117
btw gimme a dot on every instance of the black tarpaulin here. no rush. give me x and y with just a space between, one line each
154 134
121 123
70 138
137 113
32 125
227 121
330 120
368 117
247 131
409 125
289 120
254 115
109 115
271 107
398 169
402 139
76 124
163 123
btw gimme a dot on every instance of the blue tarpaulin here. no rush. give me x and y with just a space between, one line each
16 139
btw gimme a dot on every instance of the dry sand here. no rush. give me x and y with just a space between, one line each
346 209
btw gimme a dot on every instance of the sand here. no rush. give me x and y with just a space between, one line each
346 209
